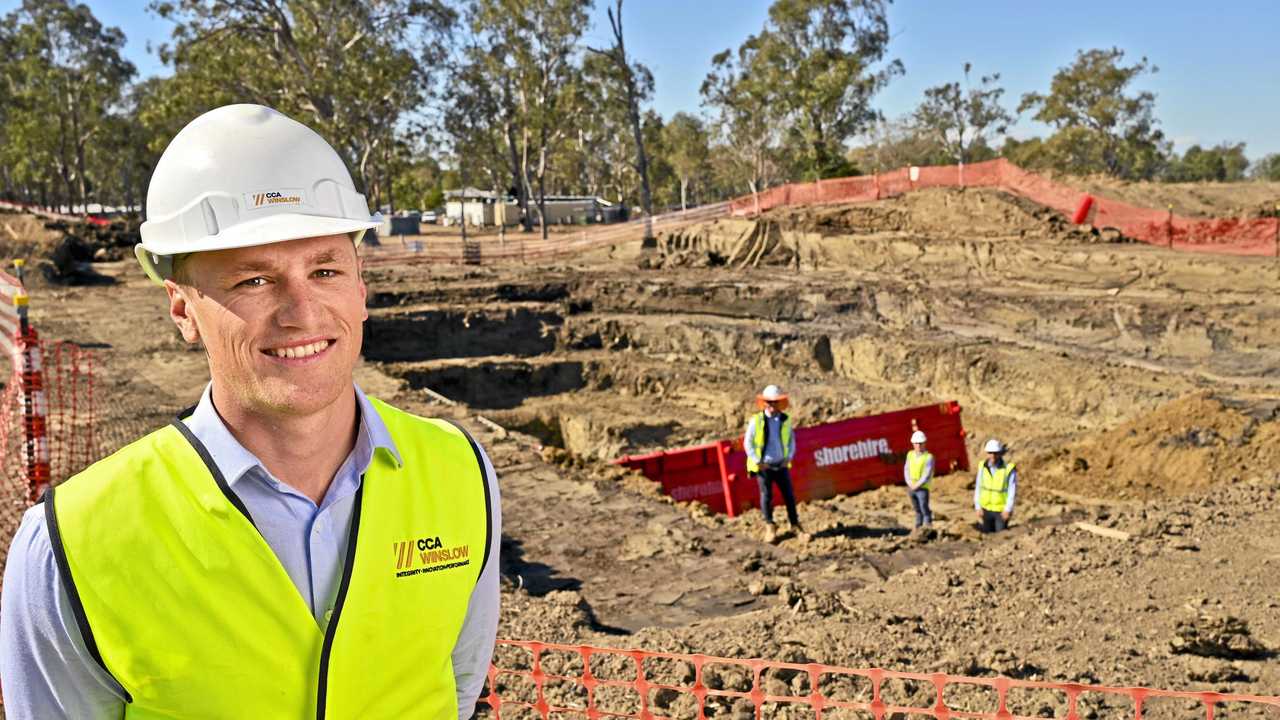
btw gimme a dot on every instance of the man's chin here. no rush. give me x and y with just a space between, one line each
290 399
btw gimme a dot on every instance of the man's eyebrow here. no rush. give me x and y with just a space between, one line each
324 257
250 266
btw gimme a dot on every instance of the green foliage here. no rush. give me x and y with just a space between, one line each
63 78
524 67
358 73
1266 168
1222 163
688 148
804 82
892 145
961 118
418 186
1102 126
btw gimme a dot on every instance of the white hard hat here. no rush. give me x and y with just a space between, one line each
917 436
772 392
993 446
243 175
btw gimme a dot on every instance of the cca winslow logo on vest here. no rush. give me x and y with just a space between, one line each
428 555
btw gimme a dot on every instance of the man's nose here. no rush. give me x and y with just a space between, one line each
296 304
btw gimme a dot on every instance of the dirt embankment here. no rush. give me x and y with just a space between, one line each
1238 199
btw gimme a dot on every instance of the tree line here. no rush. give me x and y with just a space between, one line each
508 95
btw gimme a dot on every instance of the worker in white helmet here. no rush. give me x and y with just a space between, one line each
994 489
289 547
917 471
770 443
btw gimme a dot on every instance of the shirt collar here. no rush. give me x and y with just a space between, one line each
234 461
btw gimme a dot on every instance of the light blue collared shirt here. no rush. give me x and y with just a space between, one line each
48 675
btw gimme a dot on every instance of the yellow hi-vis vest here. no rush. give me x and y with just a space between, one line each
916 462
995 486
181 600
758 439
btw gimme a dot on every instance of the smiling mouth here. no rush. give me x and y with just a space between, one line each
300 351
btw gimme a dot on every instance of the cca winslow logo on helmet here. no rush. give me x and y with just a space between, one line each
275 197
428 555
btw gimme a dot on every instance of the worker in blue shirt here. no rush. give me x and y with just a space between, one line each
770 443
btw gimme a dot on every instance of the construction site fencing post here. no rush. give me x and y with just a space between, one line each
722 452
35 447
1168 226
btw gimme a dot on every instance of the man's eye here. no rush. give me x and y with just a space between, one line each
252 282
326 273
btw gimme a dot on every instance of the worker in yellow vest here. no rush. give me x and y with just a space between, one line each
918 474
995 488
770 444
289 547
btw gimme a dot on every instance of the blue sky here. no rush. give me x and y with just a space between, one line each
1219 62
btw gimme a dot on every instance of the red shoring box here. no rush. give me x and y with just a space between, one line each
835 458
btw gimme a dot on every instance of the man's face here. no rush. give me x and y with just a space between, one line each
992 458
282 323
918 447
770 407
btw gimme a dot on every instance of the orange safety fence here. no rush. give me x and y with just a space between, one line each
545 680
48 419
53 215
1235 236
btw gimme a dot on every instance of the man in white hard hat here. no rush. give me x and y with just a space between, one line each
917 471
995 488
289 547
770 444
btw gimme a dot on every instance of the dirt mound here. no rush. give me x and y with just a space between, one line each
1185 445
64 251
758 244
937 212
1239 199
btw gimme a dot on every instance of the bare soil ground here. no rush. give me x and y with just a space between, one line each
1250 199
1139 389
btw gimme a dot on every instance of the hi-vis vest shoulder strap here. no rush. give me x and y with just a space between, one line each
758 438
182 601
916 463
995 486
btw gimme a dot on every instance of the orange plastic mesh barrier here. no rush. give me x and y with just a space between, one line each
531 679
47 415
1235 236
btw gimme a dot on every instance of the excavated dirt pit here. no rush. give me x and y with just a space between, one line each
1138 389
1130 381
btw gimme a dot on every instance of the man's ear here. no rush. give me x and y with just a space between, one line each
180 311
364 289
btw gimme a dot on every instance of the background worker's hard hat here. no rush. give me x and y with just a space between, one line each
244 175
917 437
772 392
993 446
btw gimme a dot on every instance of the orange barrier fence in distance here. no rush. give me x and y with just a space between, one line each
1233 236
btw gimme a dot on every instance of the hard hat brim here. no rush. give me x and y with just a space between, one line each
263 231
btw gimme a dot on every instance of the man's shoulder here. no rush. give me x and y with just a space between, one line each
123 464
397 418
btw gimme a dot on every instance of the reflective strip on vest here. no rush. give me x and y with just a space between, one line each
182 601
916 463
758 439
995 487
